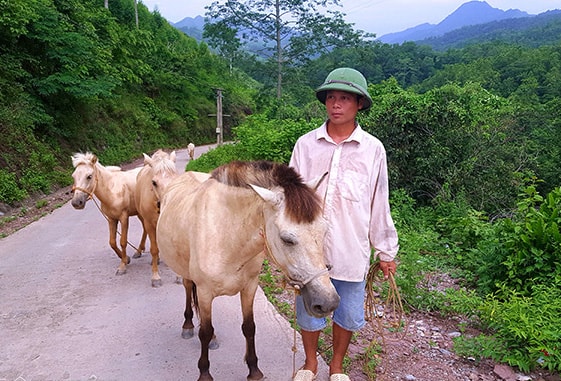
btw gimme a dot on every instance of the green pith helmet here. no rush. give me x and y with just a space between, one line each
345 79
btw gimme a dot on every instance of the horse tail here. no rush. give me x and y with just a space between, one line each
195 299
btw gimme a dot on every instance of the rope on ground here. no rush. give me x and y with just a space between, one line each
383 314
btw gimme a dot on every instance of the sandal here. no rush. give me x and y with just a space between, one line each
304 375
339 377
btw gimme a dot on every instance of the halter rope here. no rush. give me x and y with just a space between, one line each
296 286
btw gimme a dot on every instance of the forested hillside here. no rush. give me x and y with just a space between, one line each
76 76
543 29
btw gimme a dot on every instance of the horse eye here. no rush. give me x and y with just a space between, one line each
288 238
89 177
154 184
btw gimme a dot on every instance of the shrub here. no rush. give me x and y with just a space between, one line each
10 192
216 157
526 328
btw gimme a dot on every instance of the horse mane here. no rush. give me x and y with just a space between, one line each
89 158
83 158
162 163
302 202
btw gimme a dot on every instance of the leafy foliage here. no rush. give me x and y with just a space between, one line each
76 76
525 327
284 31
526 247
273 140
448 142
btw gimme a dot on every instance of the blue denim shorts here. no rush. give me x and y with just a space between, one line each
349 315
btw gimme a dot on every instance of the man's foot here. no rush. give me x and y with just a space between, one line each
339 377
304 375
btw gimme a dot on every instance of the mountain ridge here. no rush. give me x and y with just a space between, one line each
470 13
467 15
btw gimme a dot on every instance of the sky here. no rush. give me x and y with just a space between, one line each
374 16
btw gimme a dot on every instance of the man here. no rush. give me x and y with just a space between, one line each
356 207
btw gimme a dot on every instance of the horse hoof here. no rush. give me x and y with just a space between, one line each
187 333
255 376
156 282
128 260
136 255
213 344
121 271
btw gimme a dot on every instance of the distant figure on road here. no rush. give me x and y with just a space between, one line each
191 150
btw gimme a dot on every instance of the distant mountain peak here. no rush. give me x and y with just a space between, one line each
470 13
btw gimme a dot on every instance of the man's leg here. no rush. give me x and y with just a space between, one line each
341 341
310 342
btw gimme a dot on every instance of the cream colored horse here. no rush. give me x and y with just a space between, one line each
191 151
214 234
162 165
115 190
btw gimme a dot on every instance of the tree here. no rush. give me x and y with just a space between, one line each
290 31
451 142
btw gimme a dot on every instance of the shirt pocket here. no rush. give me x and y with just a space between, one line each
354 186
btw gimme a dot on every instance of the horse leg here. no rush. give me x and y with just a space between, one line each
113 240
125 260
206 333
142 245
190 295
247 296
154 251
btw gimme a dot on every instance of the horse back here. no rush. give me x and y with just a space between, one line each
206 228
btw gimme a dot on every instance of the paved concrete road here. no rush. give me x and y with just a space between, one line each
65 315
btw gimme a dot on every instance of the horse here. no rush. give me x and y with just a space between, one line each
162 165
217 233
115 190
191 150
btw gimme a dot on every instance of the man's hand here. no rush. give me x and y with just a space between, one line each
388 268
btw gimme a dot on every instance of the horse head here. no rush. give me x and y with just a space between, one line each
295 244
85 179
163 170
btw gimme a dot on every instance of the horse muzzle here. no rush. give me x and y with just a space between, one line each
320 298
79 201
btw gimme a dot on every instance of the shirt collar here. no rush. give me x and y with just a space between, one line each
357 134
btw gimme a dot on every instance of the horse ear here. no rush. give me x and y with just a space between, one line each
172 156
314 183
147 159
265 194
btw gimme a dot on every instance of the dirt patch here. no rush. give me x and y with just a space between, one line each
13 219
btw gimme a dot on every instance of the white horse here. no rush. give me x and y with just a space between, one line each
161 165
115 190
214 234
191 150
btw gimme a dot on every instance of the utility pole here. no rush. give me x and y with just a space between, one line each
219 128
219 115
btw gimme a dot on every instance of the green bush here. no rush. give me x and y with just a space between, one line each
532 241
10 192
216 157
273 140
526 327
257 138
523 250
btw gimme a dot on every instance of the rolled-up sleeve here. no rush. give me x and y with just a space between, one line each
382 234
